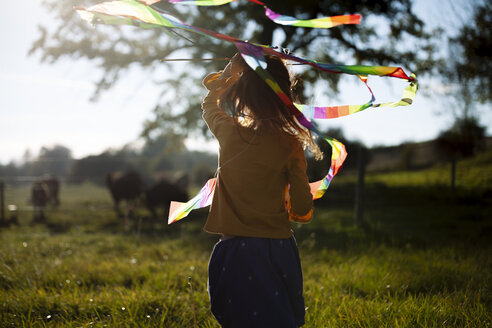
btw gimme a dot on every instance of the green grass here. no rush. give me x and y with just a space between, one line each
73 280
421 259
471 174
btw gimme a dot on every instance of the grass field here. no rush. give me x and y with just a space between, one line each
420 259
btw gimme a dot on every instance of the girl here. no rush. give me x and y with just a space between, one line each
255 275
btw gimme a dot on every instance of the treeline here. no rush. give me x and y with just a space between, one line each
165 157
156 158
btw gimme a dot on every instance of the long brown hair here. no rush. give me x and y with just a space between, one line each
254 104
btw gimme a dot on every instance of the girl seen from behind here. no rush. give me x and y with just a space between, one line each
255 275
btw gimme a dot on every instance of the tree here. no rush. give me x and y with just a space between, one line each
469 63
55 160
115 49
94 168
467 71
474 44
156 158
464 139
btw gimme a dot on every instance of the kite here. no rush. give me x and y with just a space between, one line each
145 15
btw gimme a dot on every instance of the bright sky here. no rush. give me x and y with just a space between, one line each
44 105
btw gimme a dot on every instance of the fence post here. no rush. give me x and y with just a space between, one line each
453 177
2 203
359 188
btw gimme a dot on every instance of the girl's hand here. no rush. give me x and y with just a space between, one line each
234 68
210 81
224 79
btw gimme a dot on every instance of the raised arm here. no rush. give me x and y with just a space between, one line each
216 83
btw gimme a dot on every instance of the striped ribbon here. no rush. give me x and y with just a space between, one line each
323 22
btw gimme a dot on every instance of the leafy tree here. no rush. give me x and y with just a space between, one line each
464 139
382 39
472 54
8 171
154 158
158 154
55 160
467 70
94 168
469 63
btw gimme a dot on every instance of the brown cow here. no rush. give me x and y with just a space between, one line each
163 192
124 186
39 199
53 187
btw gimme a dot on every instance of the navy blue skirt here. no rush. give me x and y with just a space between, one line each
256 283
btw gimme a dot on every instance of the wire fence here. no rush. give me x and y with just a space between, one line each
16 200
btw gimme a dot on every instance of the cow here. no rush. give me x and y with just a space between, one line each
53 187
124 186
39 199
160 194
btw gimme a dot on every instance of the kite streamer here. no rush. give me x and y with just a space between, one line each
323 22
145 15
328 112
179 210
201 2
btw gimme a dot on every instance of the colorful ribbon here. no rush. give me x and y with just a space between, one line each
323 22
201 2
179 210
328 112
132 12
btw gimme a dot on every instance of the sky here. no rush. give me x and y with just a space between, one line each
44 104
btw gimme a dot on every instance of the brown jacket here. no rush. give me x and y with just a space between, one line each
255 168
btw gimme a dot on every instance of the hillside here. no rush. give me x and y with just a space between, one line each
408 155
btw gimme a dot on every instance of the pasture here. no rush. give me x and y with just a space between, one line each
421 258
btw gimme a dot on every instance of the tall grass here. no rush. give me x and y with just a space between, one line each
73 280
420 259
